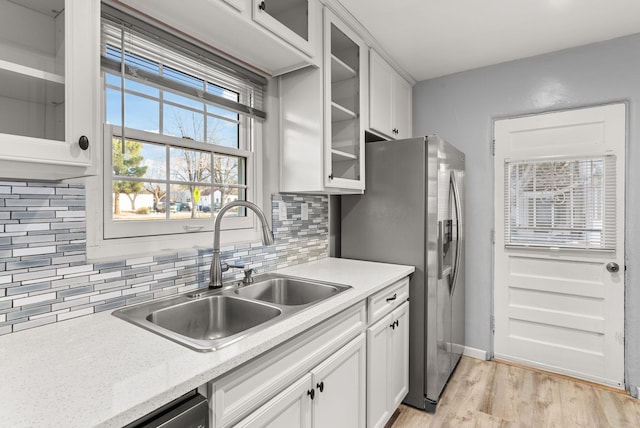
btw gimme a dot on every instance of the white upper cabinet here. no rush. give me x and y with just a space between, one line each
389 100
323 117
293 20
271 37
345 89
49 88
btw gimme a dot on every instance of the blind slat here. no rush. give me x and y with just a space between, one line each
155 57
561 203
186 90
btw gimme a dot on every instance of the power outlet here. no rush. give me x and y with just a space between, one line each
282 211
304 211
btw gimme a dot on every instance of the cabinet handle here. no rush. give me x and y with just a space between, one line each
263 6
83 142
320 386
392 325
311 393
397 323
391 299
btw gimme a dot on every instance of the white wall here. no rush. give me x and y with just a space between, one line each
462 108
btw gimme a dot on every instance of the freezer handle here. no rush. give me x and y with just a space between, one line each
440 248
459 220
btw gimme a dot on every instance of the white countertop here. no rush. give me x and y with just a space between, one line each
99 370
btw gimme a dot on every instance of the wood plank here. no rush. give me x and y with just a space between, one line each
492 394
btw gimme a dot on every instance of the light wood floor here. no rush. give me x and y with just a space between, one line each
487 394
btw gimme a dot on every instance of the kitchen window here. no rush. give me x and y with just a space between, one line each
181 134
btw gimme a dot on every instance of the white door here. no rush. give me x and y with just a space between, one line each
290 408
378 372
559 235
340 388
399 385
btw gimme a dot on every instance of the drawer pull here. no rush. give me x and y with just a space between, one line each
391 299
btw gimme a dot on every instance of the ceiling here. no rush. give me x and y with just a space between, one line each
431 38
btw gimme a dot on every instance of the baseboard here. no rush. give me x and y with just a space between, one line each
478 354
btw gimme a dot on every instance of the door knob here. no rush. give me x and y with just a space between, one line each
613 267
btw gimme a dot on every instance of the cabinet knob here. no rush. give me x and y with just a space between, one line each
311 393
331 176
320 386
83 142
262 6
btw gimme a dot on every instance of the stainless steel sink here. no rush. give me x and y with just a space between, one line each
289 291
213 317
210 319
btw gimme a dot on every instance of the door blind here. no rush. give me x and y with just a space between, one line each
568 203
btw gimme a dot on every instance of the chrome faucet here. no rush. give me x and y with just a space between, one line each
217 267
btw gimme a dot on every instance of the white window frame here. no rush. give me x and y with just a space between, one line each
104 242
130 228
101 248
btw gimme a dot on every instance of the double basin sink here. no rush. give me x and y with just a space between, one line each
210 319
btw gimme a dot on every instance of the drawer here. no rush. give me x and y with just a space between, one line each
388 299
236 394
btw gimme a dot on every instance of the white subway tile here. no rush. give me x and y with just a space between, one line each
70 214
75 269
105 296
165 275
74 314
101 276
139 261
26 227
19 252
34 299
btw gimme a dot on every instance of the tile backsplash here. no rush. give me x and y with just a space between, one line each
45 276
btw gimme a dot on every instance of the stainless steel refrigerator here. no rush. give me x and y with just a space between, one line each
412 212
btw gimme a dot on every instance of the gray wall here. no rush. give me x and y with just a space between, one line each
462 108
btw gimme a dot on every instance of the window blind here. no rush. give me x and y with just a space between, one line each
163 54
568 203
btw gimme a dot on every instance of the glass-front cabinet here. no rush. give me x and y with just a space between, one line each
345 89
323 117
292 20
48 84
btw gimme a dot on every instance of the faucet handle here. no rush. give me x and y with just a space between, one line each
238 265
248 279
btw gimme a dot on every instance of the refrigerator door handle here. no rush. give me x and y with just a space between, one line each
440 248
458 209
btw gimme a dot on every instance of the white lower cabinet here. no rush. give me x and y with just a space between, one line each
340 388
236 395
332 395
387 365
290 408
334 375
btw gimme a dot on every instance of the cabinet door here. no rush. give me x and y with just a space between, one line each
291 20
49 78
290 408
345 80
399 356
340 384
378 374
380 94
402 108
